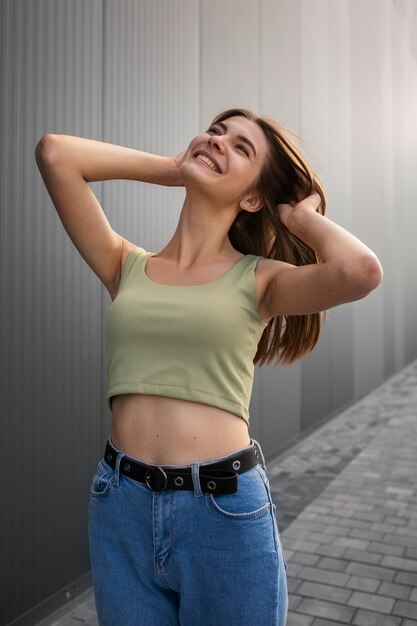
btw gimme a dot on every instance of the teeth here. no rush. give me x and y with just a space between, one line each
210 163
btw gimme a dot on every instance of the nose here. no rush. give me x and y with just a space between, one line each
216 141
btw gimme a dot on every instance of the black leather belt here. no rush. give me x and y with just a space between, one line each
218 477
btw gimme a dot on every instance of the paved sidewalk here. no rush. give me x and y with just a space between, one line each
346 499
352 552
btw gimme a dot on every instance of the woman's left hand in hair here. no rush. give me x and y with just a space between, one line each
348 270
288 213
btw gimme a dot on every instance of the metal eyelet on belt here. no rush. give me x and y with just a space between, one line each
126 467
147 478
109 456
179 481
236 465
211 485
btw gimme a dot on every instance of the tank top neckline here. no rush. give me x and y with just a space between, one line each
212 282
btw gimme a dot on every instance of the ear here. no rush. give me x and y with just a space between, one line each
251 204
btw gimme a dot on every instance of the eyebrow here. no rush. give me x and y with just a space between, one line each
241 137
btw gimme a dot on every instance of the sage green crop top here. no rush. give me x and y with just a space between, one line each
194 342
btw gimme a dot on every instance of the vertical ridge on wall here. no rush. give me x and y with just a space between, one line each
277 416
314 96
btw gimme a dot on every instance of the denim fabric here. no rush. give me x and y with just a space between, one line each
185 558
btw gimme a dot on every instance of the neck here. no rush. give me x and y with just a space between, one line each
201 233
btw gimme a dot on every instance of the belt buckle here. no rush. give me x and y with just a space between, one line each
147 478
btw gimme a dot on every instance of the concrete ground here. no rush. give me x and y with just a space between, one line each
346 498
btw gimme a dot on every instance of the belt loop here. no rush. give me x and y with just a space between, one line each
195 473
116 477
260 450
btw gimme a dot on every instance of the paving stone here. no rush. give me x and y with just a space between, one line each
324 622
371 571
331 550
304 558
398 540
293 568
373 558
322 537
371 601
360 533
323 576
292 583
410 553
395 520
406 578
295 619
336 565
356 523
368 618
298 544
406 531
293 601
383 527
349 542
328 610
361 583
385 548
398 563
401 592
324 592
340 531
405 609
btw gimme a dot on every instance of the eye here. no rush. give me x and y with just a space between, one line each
240 147
213 129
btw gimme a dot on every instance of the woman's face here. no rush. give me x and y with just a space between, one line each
226 160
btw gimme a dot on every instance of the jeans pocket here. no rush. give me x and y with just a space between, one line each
251 500
102 480
278 543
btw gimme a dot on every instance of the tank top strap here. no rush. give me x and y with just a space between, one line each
243 270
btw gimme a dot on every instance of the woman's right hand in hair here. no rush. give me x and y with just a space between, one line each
177 178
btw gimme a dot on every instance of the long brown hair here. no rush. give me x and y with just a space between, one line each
286 177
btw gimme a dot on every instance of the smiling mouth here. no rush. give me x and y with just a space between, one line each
207 161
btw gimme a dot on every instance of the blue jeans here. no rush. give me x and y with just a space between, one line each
186 558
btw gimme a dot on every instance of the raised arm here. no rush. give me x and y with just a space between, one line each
349 271
67 164
97 160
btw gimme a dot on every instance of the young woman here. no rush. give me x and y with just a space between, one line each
182 524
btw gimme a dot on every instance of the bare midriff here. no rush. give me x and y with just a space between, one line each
171 431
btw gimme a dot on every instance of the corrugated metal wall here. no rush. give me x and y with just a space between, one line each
150 74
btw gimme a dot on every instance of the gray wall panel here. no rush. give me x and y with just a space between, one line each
364 178
339 186
280 61
51 346
280 406
390 252
150 74
280 98
229 56
314 125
